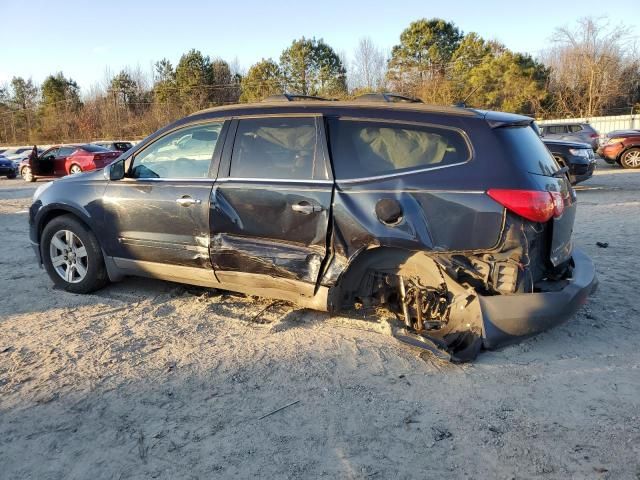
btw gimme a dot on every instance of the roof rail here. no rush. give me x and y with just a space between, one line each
287 97
387 97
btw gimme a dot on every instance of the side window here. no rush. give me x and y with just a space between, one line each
65 151
575 128
278 148
558 129
371 148
50 154
185 153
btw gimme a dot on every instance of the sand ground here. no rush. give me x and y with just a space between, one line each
149 379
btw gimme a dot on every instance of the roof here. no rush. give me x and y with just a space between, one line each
330 105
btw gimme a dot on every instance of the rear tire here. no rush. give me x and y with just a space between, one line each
72 256
11 176
73 169
27 174
630 158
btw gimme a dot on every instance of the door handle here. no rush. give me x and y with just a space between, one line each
306 208
187 201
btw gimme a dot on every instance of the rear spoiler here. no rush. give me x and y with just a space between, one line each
502 120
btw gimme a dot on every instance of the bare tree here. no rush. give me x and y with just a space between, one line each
588 65
369 66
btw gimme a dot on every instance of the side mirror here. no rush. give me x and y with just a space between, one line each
116 170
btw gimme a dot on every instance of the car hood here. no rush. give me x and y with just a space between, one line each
549 141
97 174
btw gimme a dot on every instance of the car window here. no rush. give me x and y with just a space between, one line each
122 146
523 146
557 129
66 151
185 153
50 154
94 148
278 148
371 148
575 128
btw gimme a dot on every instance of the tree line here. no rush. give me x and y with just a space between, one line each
592 69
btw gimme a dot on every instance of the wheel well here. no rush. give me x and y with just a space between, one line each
626 149
50 215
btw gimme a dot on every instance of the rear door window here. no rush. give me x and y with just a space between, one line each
523 145
66 151
575 128
366 148
278 148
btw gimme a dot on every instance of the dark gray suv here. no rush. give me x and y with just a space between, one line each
458 219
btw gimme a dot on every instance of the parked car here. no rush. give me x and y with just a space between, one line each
573 132
622 147
117 145
579 158
62 160
458 219
7 168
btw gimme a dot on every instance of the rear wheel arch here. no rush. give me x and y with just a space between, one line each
353 280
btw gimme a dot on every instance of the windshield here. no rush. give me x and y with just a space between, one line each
524 146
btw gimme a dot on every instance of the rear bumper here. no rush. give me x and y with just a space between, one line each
510 318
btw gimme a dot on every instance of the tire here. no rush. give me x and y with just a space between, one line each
27 175
75 168
11 176
79 265
630 158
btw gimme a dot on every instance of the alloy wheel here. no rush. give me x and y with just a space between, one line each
26 174
631 159
75 169
68 256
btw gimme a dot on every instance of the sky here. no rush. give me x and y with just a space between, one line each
86 39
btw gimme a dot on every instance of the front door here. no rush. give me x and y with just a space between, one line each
158 215
44 165
271 203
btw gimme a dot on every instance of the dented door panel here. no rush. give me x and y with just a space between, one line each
431 220
255 228
144 221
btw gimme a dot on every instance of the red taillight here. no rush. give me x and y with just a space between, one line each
533 205
594 135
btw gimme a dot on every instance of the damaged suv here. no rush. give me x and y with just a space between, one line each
459 220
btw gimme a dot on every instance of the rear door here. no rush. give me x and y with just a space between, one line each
271 204
157 217
60 161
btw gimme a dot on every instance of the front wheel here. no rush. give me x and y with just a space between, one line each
72 256
27 174
631 158
75 169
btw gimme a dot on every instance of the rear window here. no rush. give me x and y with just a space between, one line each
373 148
524 146
94 148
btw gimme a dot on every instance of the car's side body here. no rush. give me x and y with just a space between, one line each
618 143
60 160
329 239
579 158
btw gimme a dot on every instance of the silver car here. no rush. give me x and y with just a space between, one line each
573 132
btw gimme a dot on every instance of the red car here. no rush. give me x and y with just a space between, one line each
62 160
622 147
